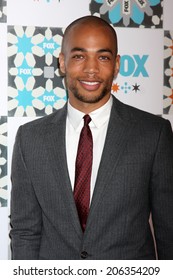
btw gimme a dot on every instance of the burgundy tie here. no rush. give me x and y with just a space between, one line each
83 172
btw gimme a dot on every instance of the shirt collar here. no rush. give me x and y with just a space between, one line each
99 116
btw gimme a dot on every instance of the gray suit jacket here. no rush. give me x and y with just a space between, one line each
135 178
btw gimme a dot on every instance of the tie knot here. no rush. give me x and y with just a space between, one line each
87 119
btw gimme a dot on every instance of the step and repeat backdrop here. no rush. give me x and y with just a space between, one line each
31 87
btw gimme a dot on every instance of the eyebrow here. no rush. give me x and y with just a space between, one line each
75 49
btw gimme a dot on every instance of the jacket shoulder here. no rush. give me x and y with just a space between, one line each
45 121
131 113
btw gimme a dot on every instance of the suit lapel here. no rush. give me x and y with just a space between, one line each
118 133
119 129
57 153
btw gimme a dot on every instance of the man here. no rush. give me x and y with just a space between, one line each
130 153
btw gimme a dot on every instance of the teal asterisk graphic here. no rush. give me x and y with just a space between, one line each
129 10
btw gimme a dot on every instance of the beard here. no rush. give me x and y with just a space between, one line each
89 98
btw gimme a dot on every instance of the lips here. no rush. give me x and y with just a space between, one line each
90 85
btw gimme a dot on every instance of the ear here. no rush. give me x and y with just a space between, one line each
62 63
117 65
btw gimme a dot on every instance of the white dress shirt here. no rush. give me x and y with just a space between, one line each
98 126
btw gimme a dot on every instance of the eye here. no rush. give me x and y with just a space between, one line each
104 58
78 57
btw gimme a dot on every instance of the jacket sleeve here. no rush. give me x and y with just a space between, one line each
162 193
26 218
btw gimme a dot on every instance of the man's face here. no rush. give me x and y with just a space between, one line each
90 63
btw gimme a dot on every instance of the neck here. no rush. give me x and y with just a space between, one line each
85 107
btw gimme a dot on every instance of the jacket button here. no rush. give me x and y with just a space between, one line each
84 255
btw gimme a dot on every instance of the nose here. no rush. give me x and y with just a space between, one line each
91 66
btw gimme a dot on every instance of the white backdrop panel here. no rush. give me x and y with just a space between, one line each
168 14
4 233
143 65
57 13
